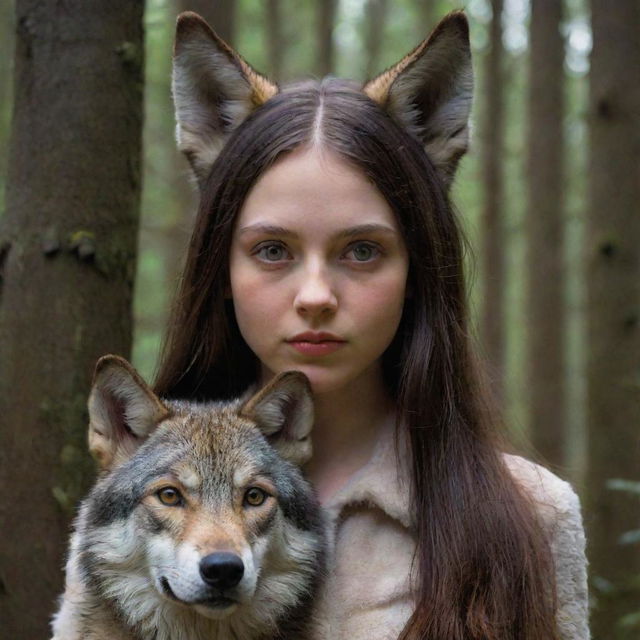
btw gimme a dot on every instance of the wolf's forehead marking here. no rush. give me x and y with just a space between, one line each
188 476
242 475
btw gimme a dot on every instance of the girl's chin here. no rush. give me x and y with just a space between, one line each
324 380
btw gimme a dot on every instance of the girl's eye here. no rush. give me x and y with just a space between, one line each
169 497
254 497
272 252
363 252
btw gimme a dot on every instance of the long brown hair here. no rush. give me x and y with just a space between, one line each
484 565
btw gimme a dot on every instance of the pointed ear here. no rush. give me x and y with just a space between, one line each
430 93
123 411
214 90
283 411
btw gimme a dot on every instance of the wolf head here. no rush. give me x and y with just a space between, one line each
201 512
428 92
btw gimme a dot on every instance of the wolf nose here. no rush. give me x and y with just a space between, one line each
222 570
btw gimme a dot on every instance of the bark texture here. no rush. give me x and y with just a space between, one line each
613 313
67 259
326 16
493 256
545 234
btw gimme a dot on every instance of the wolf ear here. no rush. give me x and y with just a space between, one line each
283 411
430 93
123 411
214 90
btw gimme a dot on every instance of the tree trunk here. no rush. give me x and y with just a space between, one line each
493 255
613 311
427 13
274 37
376 15
6 55
545 233
67 259
326 20
220 14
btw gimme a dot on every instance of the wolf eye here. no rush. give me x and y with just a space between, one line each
169 496
254 497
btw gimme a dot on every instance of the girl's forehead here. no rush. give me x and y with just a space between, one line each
314 187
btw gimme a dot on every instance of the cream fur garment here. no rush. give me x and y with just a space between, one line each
367 593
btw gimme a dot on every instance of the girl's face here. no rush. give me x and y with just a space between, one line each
318 271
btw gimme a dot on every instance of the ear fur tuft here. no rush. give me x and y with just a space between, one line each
214 90
430 92
283 411
123 411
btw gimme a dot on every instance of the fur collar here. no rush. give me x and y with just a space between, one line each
383 482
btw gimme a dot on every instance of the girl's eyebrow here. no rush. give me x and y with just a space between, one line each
349 232
267 229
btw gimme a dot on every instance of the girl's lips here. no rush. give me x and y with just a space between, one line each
316 348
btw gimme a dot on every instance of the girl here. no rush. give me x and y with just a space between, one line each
325 242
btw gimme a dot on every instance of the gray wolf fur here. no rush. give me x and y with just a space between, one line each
201 525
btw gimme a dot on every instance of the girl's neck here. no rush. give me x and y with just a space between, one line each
347 425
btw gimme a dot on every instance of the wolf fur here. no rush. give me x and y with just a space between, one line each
428 92
201 525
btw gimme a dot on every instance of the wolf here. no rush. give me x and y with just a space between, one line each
201 524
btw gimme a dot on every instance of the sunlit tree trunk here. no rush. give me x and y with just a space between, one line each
613 312
545 315
493 240
326 16
375 18
67 259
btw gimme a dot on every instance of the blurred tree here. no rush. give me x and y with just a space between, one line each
427 14
6 54
67 259
375 18
280 33
275 41
220 14
545 272
326 17
613 311
493 240
168 200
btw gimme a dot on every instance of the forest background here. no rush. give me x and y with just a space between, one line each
549 195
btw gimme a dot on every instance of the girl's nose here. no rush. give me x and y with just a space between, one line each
315 295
